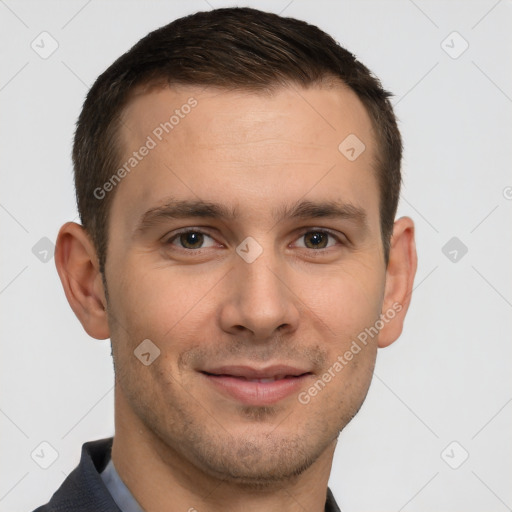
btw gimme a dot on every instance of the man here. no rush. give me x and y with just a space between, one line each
237 178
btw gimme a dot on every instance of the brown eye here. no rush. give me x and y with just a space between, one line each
317 239
190 240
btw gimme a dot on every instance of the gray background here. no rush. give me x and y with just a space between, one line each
447 379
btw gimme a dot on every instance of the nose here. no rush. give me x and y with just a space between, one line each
259 300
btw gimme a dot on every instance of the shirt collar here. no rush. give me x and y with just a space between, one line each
120 493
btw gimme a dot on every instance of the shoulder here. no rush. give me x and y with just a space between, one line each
83 490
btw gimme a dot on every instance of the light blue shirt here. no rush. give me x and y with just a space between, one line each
120 493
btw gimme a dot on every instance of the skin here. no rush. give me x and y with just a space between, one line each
179 441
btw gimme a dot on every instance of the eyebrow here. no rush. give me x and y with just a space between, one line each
183 209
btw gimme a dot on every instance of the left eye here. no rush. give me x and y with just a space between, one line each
317 239
194 239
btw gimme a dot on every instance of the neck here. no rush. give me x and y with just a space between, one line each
158 476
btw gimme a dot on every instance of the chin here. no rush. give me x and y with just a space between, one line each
261 465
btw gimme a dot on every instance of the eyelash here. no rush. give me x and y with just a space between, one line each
302 234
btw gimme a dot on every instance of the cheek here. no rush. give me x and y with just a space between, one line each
155 303
346 300
346 303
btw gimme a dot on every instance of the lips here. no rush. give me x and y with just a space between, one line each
257 386
271 373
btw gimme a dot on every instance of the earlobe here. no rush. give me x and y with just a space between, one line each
400 274
78 269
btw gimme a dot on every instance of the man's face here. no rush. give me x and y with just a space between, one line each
224 310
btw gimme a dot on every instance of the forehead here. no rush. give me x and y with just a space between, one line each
214 115
248 150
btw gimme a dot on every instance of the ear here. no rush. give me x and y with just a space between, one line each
400 273
78 268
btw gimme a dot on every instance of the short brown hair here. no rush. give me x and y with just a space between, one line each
232 48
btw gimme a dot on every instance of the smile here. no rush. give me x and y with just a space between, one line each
257 387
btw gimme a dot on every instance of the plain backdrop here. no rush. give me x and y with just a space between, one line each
434 432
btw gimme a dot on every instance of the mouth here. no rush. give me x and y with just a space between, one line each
265 379
253 386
